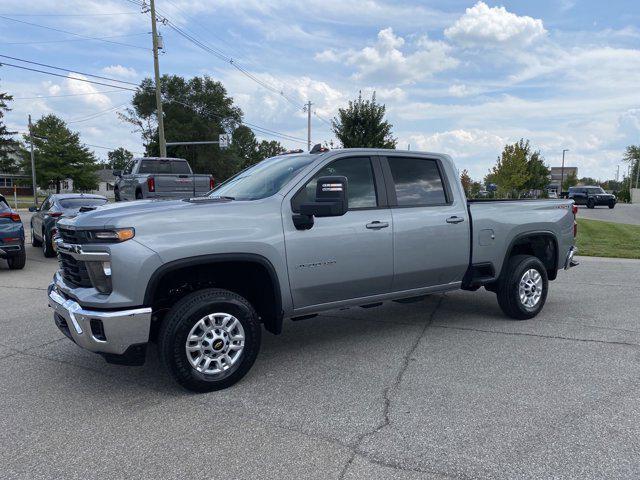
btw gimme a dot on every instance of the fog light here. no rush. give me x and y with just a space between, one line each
100 279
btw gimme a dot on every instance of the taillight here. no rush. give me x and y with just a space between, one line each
151 184
574 209
212 183
12 215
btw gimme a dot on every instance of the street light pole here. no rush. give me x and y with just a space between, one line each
156 72
309 126
33 166
562 170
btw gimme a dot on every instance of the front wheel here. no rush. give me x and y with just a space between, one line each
34 241
47 245
612 205
522 288
591 204
209 340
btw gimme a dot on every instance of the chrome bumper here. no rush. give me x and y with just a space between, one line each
569 261
120 329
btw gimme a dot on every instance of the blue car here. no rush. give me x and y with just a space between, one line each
11 236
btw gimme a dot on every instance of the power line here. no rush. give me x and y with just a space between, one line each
41 42
70 71
109 148
70 33
68 14
67 95
66 76
97 114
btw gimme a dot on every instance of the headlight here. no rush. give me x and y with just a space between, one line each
115 235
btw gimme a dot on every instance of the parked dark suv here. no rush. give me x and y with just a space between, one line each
591 196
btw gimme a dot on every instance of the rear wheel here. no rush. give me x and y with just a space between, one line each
591 203
47 245
209 340
116 194
522 288
139 195
17 262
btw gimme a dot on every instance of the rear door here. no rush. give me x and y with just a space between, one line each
347 257
430 224
38 217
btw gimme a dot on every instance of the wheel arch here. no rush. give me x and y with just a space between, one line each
203 271
542 244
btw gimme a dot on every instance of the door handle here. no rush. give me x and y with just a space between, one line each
377 225
455 219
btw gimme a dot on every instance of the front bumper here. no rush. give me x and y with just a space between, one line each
110 333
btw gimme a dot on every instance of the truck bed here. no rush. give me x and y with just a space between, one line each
497 224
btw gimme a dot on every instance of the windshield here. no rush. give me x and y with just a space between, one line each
82 202
263 179
595 190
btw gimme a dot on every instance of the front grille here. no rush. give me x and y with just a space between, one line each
74 271
78 237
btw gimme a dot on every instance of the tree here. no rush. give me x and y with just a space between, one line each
59 155
466 181
362 124
7 144
119 158
632 155
519 169
268 148
570 180
194 110
249 151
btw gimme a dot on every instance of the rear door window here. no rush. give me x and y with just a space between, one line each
417 181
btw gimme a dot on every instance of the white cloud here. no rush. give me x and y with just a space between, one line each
120 71
95 99
386 62
462 90
482 26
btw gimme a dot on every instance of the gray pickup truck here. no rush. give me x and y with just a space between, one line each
159 178
290 237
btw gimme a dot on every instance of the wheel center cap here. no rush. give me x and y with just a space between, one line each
218 344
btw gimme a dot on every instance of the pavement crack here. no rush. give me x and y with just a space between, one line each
537 335
386 397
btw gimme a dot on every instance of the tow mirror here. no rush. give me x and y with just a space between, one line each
117 173
331 201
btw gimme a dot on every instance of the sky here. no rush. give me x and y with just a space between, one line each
459 77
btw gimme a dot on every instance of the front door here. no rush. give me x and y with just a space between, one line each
347 257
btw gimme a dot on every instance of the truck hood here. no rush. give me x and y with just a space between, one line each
128 214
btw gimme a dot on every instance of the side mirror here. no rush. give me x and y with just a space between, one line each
33 209
332 200
117 173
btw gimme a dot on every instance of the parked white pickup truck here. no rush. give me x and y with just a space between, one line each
153 177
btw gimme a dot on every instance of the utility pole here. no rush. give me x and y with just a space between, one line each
562 170
33 166
156 72
308 107
637 171
618 174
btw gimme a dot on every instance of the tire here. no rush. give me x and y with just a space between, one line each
591 204
17 262
116 194
139 195
509 287
185 319
47 246
34 241
612 205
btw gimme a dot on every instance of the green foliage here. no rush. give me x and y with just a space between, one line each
571 180
7 144
518 170
59 155
194 110
249 150
119 158
362 124
466 181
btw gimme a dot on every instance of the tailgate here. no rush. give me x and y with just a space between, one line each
173 185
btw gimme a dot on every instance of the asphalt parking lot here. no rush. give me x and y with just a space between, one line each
622 213
443 388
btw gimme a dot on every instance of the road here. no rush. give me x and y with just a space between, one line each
622 213
443 388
